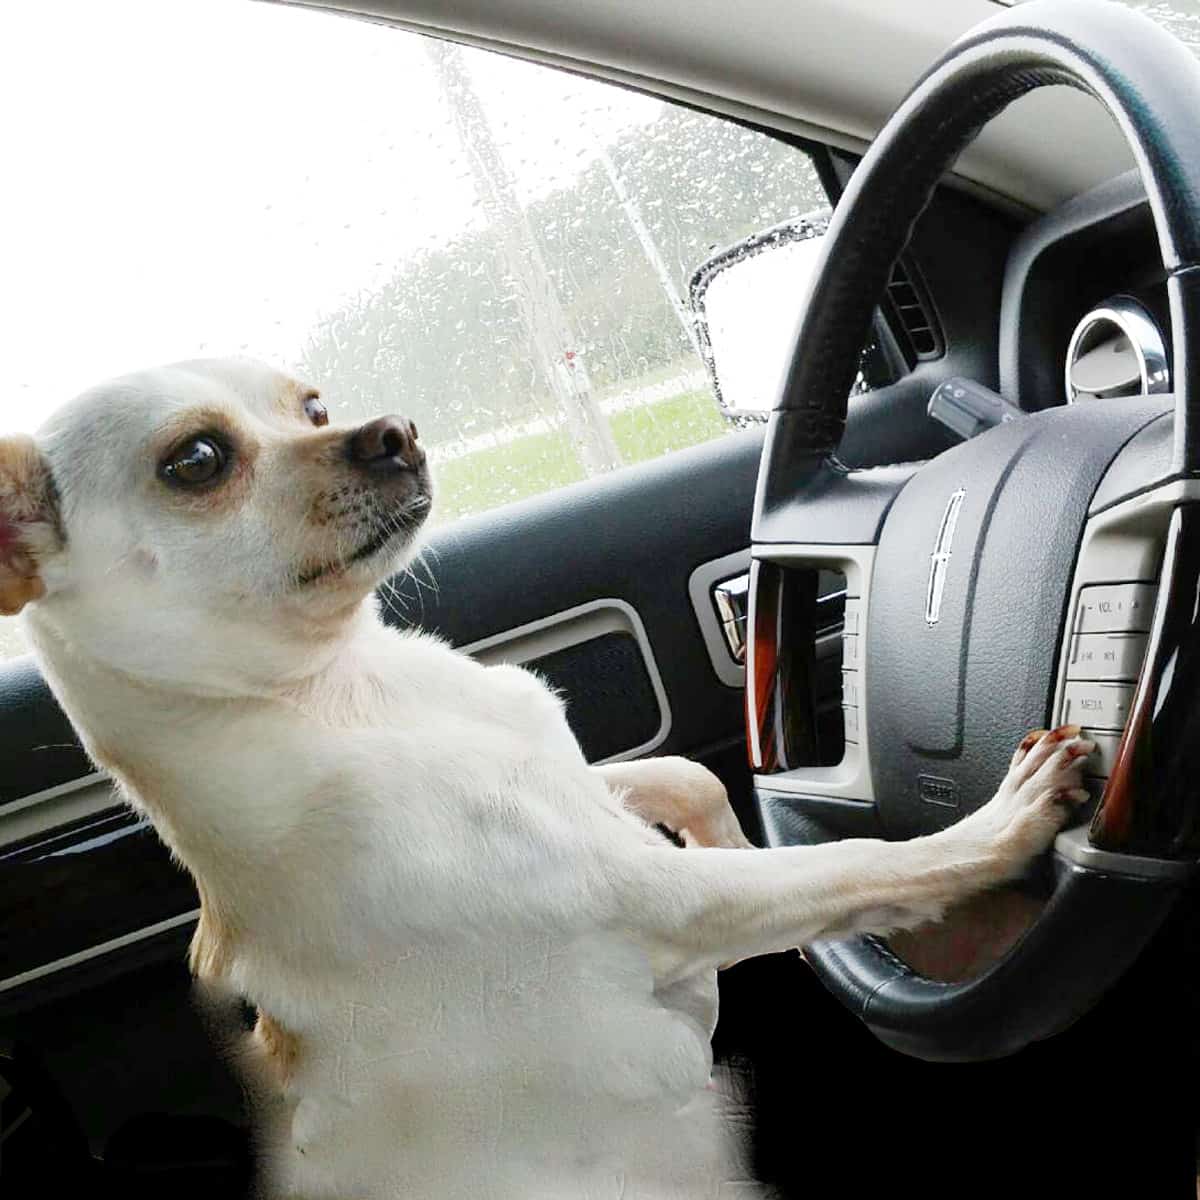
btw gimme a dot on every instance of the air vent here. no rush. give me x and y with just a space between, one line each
913 322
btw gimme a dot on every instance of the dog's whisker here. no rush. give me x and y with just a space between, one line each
423 561
393 600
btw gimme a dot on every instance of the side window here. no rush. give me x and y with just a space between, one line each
547 337
496 249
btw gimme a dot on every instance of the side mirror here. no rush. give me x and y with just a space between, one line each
747 301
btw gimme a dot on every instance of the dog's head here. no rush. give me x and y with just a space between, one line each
202 522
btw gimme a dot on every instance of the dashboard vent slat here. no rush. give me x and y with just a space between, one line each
913 321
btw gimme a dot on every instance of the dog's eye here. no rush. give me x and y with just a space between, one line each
315 411
198 461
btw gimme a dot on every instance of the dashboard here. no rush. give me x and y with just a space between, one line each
1068 264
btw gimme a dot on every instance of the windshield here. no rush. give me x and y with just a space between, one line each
1181 17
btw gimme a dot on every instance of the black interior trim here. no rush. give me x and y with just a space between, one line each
1042 281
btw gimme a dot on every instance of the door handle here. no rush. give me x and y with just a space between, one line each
731 599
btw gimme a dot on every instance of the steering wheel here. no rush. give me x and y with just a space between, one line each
971 578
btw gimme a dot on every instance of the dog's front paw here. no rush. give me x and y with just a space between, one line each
1041 791
705 817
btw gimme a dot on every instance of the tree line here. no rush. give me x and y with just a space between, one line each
444 336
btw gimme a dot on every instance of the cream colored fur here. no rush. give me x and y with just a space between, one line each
481 972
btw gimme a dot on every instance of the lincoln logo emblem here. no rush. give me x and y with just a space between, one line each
939 560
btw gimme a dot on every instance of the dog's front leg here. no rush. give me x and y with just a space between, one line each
713 906
680 794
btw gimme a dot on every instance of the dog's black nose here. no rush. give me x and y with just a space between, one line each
386 444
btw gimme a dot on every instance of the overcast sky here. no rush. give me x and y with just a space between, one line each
188 177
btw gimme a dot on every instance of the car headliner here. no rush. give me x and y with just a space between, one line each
828 69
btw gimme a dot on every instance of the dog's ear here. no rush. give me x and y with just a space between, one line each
30 528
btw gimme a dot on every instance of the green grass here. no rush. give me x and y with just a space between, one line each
651 430
544 461
487 478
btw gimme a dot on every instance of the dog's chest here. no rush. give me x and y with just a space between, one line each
454 701
535 1065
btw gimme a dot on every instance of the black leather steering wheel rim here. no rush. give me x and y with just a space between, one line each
1150 85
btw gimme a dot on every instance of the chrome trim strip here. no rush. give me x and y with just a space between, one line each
571 627
731 672
52 793
38 814
939 560
82 956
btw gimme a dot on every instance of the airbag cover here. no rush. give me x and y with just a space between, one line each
948 701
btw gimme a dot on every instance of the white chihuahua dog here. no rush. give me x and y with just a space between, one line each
480 971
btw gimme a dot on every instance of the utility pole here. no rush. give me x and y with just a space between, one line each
549 331
649 247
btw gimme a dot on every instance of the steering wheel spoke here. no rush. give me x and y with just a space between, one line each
994 591
793 645
1148 807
